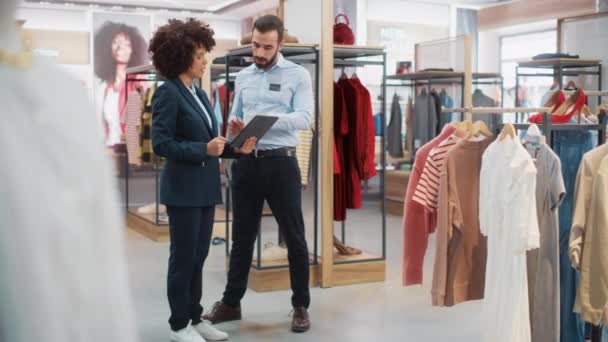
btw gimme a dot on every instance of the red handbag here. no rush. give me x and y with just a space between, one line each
343 35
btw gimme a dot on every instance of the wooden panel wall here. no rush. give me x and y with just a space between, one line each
527 11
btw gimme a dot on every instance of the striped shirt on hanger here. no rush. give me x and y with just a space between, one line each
427 190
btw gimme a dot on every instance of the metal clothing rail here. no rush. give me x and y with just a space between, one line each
133 75
430 78
494 110
300 54
589 92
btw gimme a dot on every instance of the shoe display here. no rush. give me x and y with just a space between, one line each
554 102
344 249
221 312
209 332
569 108
573 106
150 209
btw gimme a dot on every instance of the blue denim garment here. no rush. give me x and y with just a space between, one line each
570 146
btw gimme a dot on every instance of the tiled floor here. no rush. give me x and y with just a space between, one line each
370 312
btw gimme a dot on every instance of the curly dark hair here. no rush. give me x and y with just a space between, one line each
173 45
105 66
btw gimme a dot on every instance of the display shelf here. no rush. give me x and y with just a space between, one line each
354 51
288 50
443 75
559 68
560 62
145 225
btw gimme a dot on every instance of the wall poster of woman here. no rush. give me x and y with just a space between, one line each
119 42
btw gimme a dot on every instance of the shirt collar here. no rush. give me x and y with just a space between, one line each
281 62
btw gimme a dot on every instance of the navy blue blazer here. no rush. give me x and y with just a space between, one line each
180 133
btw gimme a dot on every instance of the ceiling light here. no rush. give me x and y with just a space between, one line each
94 6
221 5
117 7
140 9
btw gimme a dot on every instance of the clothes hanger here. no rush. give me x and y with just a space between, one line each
467 125
343 75
507 131
461 129
533 136
479 127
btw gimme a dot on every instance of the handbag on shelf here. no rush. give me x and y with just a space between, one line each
343 34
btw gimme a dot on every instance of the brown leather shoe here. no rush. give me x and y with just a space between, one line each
221 312
301 320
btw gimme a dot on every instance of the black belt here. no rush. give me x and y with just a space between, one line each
279 152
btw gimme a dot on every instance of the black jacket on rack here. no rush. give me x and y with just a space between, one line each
395 146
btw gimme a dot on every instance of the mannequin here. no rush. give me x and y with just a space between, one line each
62 262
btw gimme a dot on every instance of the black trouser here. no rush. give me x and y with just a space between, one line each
190 231
276 180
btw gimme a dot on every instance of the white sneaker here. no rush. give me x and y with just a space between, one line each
185 335
209 332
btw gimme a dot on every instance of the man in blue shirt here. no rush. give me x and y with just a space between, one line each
271 86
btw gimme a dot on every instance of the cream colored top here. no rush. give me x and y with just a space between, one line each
589 236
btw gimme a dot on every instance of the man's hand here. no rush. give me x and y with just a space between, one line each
248 146
215 147
236 126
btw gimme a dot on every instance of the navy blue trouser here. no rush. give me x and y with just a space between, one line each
190 231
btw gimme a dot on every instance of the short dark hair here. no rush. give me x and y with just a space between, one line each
173 45
268 23
105 66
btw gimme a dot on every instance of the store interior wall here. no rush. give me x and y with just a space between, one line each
530 11
56 20
303 19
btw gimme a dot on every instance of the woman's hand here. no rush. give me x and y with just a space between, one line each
215 147
248 146
236 126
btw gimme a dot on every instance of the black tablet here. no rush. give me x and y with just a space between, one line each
257 127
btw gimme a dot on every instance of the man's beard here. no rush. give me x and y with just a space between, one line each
267 64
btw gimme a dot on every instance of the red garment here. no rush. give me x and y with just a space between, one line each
417 221
354 155
368 133
340 131
221 90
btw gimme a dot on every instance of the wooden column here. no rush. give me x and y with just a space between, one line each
281 11
327 127
468 75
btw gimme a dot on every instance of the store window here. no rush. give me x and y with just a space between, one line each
522 47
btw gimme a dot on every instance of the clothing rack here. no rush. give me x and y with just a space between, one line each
548 128
451 78
351 56
134 74
300 54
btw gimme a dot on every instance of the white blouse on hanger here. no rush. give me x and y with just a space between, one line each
507 215
63 269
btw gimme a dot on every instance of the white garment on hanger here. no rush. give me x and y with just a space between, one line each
63 268
507 216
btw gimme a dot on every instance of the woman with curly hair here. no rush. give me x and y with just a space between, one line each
117 47
185 132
